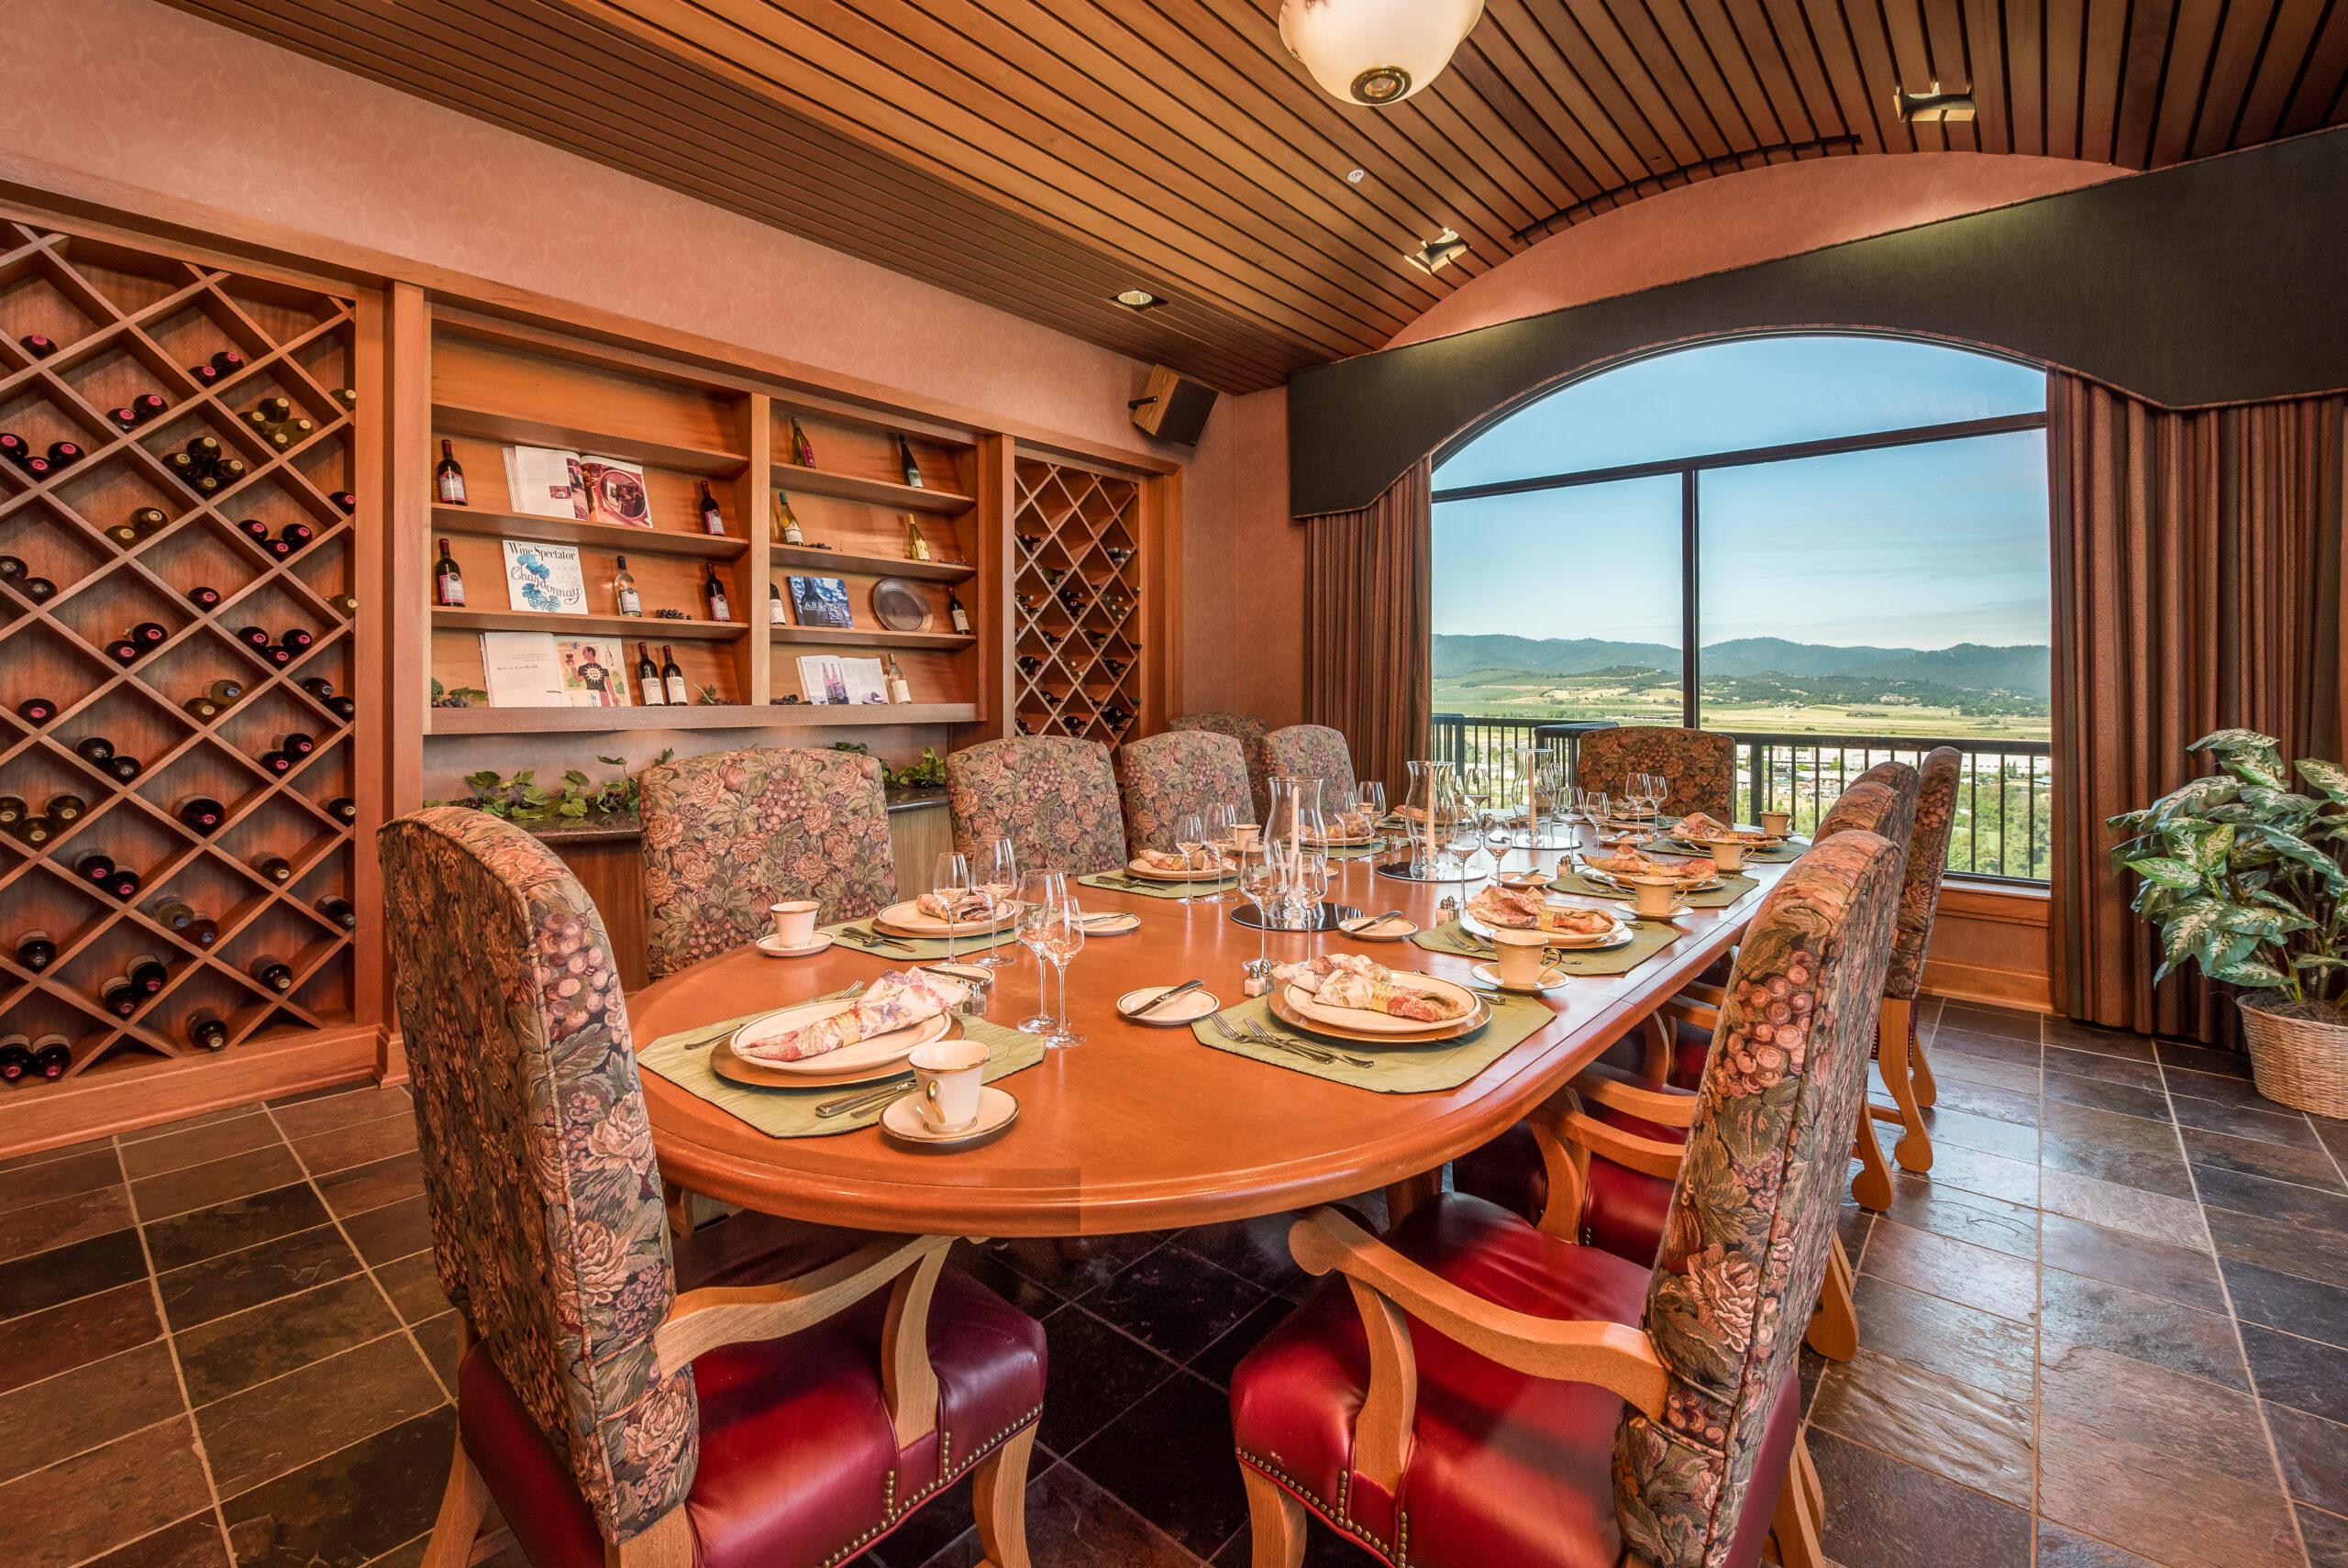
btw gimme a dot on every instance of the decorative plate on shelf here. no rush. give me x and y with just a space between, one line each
899 605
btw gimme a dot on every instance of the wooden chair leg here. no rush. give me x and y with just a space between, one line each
1920 1067
1794 1530
1655 1061
999 1500
667 1542
1872 1186
1834 1327
1896 1053
1275 1522
463 1507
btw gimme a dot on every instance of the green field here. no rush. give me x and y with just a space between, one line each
1655 701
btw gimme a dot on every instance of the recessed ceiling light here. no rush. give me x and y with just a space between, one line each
1139 298
1440 252
1356 176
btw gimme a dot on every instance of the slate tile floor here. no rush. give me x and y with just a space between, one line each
2111 1330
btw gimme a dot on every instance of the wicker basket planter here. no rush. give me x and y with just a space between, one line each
2299 1052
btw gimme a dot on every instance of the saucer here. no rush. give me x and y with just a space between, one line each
1186 1009
1552 979
1120 923
771 945
996 1109
1394 928
1524 881
1674 913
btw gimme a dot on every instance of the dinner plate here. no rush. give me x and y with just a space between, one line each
881 1051
1201 874
1393 928
907 920
1378 1023
1117 923
1322 1026
1609 880
1354 842
1561 941
1188 1008
1704 845
1524 881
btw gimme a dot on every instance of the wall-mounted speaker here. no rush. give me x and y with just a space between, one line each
1173 407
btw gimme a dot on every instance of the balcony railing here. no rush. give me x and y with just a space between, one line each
2004 793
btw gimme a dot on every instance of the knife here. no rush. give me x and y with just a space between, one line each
848 1105
1162 997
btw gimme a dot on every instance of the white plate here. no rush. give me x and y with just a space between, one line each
1573 942
1551 980
878 1052
998 1108
1609 880
771 945
1368 1022
1188 1008
1393 928
1150 874
1119 923
908 921
1524 881
1673 913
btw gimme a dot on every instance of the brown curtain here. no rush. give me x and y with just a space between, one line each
2197 579
1367 617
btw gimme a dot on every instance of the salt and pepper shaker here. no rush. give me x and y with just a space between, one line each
1259 977
1447 909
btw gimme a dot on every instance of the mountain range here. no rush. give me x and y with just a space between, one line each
2025 669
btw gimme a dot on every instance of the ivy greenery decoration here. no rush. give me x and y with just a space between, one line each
520 798
2243 875
926 774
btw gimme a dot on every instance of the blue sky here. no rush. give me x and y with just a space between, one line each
1916 546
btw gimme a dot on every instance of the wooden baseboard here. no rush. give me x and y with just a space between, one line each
1979 983
99 1104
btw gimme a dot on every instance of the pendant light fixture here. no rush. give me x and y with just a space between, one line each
1376 52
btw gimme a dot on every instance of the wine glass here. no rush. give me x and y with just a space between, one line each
1063 940
950 880
1309 887
998 873
1653 791
1257 878
1223 833
1041 894
1464 831
1370 796
1189 837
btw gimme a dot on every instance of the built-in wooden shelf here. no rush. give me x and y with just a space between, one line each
489 425
646 628
798 558
789 477
566 531
858 638
719 716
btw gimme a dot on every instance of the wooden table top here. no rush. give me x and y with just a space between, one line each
1143 1128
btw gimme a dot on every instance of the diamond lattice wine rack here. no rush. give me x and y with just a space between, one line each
1077 602
175 877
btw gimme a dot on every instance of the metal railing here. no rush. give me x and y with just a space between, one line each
2004 793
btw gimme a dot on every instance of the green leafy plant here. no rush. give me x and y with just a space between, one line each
520 798
926 774
456 696
2243 874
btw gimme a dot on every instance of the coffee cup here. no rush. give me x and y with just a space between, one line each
1652 896
1244 834
1728 854
795 921
947 1077
1518 956
1777 824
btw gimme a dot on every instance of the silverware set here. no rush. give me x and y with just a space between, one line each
1257 1035
876 937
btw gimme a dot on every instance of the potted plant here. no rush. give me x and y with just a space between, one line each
2243 876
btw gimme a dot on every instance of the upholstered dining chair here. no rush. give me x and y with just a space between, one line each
1312 751
1054 797
1480 1390
1249 731
764 1394
729 833
1162 777
1906 1075
1700 765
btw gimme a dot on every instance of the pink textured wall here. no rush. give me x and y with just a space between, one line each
1242 636
1781 209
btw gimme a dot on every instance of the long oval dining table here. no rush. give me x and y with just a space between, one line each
1144 1128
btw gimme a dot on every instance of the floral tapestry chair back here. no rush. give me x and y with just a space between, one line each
547 1221
1054 798
1745 1241
1868 805
1901 780
729 833
1700 766
1249 731
1312 751
1927 859
1162 777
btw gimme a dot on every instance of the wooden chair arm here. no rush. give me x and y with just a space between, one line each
1702 1015
701 1320
1617 1090
1649 1156
1390 1290
1702 992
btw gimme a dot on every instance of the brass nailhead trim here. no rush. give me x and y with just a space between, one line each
891 1515
1399 1558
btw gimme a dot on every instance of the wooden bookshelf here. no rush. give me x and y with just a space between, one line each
785 715
563 531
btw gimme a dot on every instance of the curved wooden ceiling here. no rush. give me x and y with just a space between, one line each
1040 155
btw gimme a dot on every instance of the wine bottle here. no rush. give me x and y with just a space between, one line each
65 808
339 909
123 651
957 614
343 708
38 468
52 1053
317 686
788 521
905 461
714 592
35 711
64 453
347 396
15 448
713 521
173 911
274 410
274 973
648 678
448 582
225 691
202 710
36 949
346 500
900 689
13 811
204 598
124 884
673 677
252 528
146 519
95 868
39 590
147 405
12 568
276 763
296 744
206 1032
343 808
208 375
94 750
35 830
298 638
120 996
916 546
16 1057
775 614
278 549
148 975
275 867
201 814
122 534
449 482
204 933
227 361
254 638
344 604
124 769
149 635
39 344
623 593
802 452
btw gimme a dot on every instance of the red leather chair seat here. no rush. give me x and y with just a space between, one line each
1625 1211
1503 1468
799 1463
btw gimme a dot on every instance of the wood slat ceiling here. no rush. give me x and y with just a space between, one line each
1040 155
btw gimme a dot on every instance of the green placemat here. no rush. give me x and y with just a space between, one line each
1792 849
1731 890
882 946
1400 1070
1125 882
683 1059
1648 937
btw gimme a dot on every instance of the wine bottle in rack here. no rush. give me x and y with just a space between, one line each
124 768
120 996
149 635
343 808
713 521
202 710
776 615
276 763
225 691
905 464
674 678
39 590
347 397
13 811
173 913
344 604
227 361
299 638
449 478
274 867
15 1056
277 548
345 501
448 582
297 534
15 448
204 597
296 744
787 520
63 809
34 831
122 534
624 593
124 884
201 814
95 868
206 1032
148 975
339 910
254 638
12 568
648 678
36 949
960 617
52 1053
123 652
64 454
713 593
39 344
274 973
94 749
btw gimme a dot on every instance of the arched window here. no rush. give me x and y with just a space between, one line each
1834 547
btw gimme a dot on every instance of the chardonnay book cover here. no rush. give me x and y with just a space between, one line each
545 577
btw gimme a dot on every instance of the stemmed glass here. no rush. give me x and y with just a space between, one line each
951 881
1223 833
1257 878
1593 812
997 874
1051 926
1370 796
1653 791
1308 887
1189 837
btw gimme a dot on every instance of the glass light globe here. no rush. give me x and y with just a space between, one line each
1376 52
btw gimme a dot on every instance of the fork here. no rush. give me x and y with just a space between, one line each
1263 1036
1309 1053
878 938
